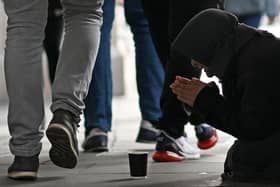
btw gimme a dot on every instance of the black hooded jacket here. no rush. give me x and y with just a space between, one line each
247 61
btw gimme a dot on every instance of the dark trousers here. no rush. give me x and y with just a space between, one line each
53 35
166 19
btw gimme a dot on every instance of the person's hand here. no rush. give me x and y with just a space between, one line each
186 89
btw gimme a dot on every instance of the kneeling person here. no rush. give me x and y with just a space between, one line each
246 61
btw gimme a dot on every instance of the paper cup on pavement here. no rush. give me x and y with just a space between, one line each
138 162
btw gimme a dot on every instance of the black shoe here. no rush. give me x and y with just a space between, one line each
61 133
24 168
96 141
147 133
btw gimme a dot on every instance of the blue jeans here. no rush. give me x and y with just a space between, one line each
149 71
252 20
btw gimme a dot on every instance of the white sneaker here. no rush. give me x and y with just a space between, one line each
189 152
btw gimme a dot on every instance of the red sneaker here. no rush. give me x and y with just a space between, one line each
167 156
207 136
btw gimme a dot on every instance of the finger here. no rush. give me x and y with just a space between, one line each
181 86
184 100
179 77
178 91
195 78
183 80
175 84
182 92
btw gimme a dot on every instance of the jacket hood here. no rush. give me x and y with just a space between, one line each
213 37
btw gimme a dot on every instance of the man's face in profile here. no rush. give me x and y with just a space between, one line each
198 65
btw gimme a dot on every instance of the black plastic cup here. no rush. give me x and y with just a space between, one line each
138 162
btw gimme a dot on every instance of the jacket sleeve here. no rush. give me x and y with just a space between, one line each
244 122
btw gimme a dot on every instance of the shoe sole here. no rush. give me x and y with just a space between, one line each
22 175
62 152
207 144
97 150
166 156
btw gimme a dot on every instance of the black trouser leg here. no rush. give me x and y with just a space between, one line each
53 34
177 14
158 14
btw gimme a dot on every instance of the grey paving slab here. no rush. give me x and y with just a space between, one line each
112 170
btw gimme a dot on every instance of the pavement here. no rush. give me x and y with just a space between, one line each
111 169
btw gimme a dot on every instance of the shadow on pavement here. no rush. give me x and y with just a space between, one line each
5 181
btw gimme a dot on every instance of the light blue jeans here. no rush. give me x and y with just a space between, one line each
25 34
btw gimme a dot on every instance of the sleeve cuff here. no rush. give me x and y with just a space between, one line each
206 99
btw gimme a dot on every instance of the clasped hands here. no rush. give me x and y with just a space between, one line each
187 89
